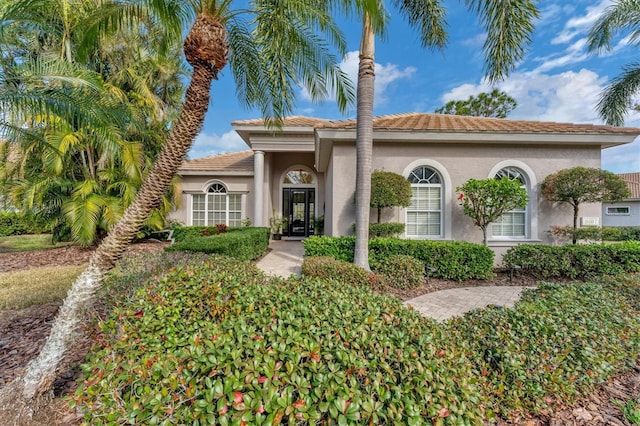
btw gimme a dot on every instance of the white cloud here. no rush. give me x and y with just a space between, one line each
581 24
212 144
573 54
386 75
568 97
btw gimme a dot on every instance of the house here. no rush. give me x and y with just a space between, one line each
626 212
307 170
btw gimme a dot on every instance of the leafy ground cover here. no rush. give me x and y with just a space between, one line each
219 344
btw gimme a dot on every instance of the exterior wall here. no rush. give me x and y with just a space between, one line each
457 163
191 184
328 195
632 219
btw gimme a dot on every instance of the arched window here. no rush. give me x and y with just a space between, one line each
216 206
299 177
512 224
424 215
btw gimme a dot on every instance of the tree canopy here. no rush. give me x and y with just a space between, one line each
484 201
389 189
497 104
579 185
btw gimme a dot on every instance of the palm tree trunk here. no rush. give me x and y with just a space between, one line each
364 142
40 372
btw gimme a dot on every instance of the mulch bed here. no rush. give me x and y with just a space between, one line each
23 332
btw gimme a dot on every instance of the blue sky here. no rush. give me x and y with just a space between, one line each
558 80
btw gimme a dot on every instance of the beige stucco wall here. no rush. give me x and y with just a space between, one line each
457 163
191 183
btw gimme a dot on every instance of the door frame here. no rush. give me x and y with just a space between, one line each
309 214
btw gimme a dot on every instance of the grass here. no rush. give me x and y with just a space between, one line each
15 243
21 289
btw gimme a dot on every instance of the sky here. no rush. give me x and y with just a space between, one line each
558 80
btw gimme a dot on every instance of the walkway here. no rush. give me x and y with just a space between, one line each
285 259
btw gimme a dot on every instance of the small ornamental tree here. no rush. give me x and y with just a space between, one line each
389 189
579 185
484 201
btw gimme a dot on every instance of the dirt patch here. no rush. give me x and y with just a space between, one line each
23 332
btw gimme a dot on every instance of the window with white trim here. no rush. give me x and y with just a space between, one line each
424 215
512 224
216 206
619 211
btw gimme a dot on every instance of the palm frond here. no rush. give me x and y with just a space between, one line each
617 98
622 16
509 25
428 17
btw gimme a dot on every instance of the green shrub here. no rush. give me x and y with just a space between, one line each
14 223
401 271
327 267
574 261
211 345
182 233
557 344
240 243
595 233
386 230
453 260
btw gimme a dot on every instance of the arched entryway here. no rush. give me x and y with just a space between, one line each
299 201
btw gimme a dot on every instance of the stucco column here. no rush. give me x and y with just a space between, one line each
258 188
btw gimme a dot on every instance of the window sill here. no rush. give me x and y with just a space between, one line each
511 242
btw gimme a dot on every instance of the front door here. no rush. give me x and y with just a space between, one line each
298 206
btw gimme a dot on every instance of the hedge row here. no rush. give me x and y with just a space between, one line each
14 223
216 343
574 260
182 233
453 260
241 243
605 233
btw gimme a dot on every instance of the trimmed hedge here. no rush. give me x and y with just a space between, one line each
14 223
386 230
574 260
556 344
215 345
240 243
326 267
453 260
605 233
182 233
401 271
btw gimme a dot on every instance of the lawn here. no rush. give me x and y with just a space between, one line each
21 289
15 243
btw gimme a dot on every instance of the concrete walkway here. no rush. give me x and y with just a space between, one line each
285 259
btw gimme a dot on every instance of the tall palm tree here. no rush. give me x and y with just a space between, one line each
508 25
269 56
618 97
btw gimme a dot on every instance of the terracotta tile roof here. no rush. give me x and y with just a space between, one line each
459 123
293 121
633 182
233 161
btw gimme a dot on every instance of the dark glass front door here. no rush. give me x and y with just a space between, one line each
298 206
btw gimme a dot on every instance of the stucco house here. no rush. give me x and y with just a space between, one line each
626 212
307 170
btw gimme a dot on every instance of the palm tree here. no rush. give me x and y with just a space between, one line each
268 57
78 178
508 26
618 97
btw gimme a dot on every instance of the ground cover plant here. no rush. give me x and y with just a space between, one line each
326 267
216 343
557 344
21 289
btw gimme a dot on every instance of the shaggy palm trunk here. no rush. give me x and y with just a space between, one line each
41 371
364 143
